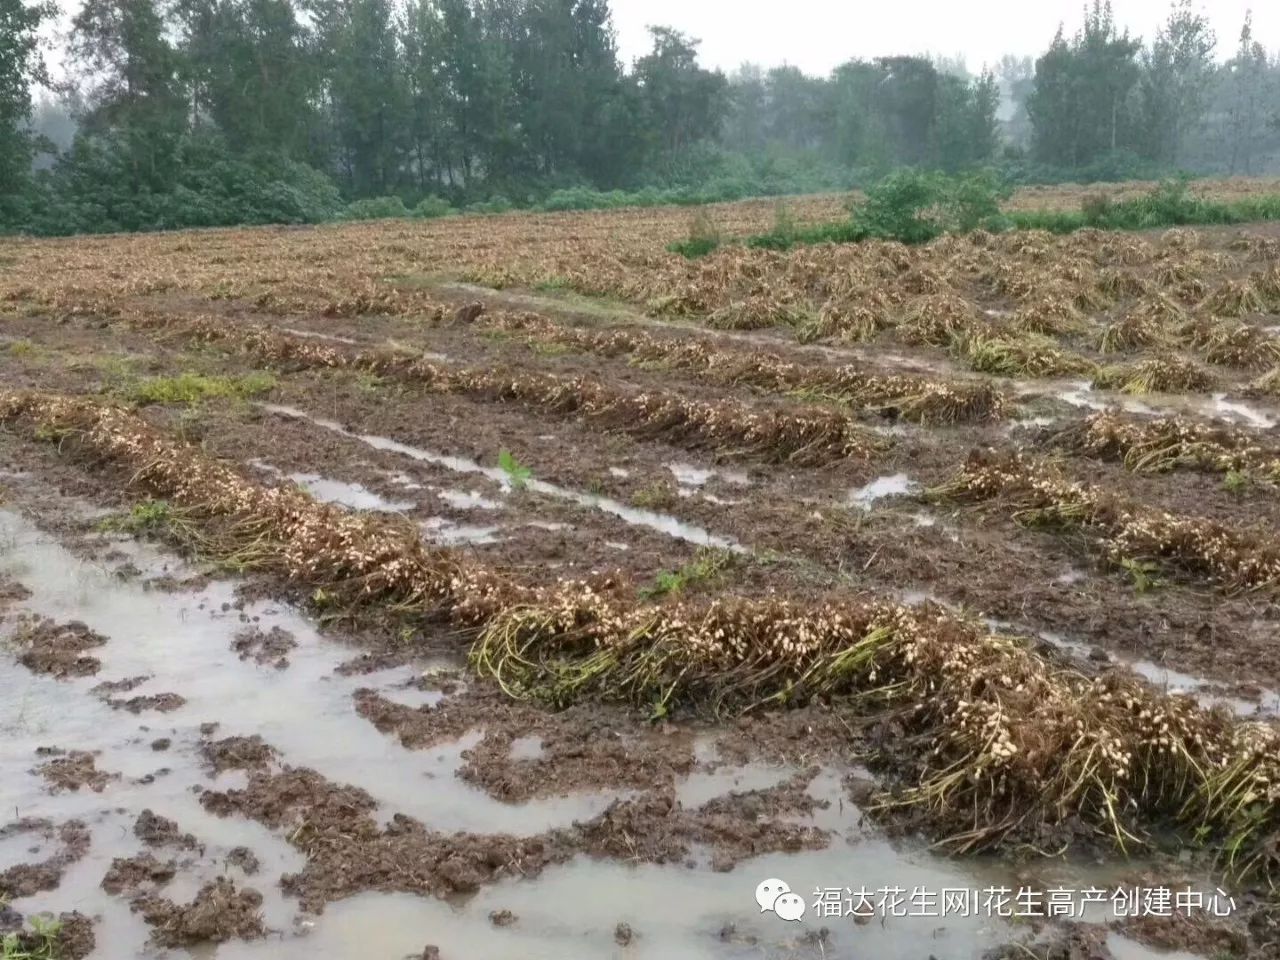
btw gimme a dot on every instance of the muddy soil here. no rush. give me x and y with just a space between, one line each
74 940
528 752
1070 943
614 801
348 852
265 647
11 591
75 770
513 752
218 913
132 875
157 831
1210 938
238 753
967 557
244 859
27 879
57 649
159 702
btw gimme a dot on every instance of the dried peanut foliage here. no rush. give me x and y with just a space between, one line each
808 436
1038 493
1023 304
999 742
1168 443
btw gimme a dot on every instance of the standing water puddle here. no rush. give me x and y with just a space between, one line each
1217 407
687 475
690 912
663 523
183 642
446 533
467 500
1232 409
354 495
899 484
314 335
1171 681
568 912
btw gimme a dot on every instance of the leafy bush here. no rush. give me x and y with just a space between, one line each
1096 208
93 189
1169 204
974 200
497 204
704 237
375 208
915 207
429 208
585 198
906 205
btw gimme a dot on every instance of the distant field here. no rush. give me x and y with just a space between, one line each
600 567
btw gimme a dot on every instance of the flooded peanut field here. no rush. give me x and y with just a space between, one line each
510 587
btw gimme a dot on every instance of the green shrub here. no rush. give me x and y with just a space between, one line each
704 237
376 208
1096 209
1168 204
906 205
974 200
431 207
585 198
914 207
496 204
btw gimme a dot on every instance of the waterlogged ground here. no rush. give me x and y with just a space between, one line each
162 766
202 759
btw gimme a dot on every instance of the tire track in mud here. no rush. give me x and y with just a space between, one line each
663 523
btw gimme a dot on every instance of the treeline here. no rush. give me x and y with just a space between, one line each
1101 95
214 112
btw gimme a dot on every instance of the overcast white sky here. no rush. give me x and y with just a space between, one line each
817 35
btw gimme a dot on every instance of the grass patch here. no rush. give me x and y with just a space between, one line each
705 568
552 285
704 238
22 349
543 348
39 943
518 475
656 496
192 388
915 208
1236 481
151 517
1168 205
367 382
